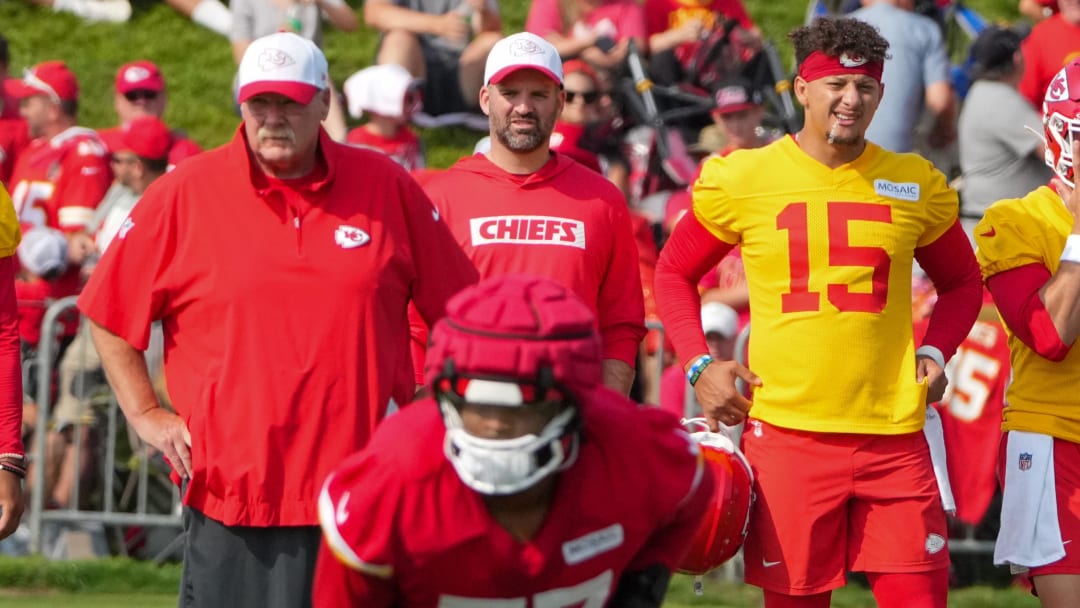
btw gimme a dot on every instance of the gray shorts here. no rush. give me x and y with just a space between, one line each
246 567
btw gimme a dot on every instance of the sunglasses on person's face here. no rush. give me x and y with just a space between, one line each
138 94
589 97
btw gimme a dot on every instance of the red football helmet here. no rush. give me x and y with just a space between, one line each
1061 120
724 526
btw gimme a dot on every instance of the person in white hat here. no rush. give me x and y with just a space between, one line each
520 207
389 96
281 266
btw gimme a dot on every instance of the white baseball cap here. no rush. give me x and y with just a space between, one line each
43 251
519 52
379 89
283 63
717 317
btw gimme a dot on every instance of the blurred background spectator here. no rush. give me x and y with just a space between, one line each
738 113
443 43
139 92
388 96
916 77
999 157
1051 44
597 31
1037 10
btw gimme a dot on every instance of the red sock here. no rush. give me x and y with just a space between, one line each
774 599
910 589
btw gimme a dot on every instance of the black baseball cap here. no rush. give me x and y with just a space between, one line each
994 49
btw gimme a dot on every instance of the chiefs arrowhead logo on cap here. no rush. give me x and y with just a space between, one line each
136 73
850 60
525 47
1058 89
274 59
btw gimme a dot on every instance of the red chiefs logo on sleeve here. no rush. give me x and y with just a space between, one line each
527 230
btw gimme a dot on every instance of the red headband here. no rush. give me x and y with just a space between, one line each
819 65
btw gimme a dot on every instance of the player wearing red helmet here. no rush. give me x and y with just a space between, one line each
1029 250
522 482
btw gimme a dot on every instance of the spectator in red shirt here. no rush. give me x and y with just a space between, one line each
519 207
597 31
389 96
280 265
1052 44
140 91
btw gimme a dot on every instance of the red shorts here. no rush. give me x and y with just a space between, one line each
1067 492
828 503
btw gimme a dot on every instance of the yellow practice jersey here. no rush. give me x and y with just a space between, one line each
828 256
1043 396
10 235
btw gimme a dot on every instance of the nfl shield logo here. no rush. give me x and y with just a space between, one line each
1025 461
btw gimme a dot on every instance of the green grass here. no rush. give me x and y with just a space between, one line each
199 68
87 600
121 583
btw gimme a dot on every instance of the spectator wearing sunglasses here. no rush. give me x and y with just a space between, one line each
140 92
578 113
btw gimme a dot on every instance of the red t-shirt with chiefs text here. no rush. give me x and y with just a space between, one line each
564 222
401 529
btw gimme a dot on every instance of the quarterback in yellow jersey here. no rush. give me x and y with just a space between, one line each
1029 250
828 225
12 456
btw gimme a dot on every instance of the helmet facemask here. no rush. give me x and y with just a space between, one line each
1061 132
500 467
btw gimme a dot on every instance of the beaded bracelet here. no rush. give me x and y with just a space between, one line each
699 366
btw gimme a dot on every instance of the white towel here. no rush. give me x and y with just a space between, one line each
1030 535
935 438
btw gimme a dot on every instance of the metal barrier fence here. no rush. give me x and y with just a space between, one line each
137 485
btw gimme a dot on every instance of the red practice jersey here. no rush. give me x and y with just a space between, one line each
978 374
58 182
401 529
564 222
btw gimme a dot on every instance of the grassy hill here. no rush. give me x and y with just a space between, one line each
199 68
